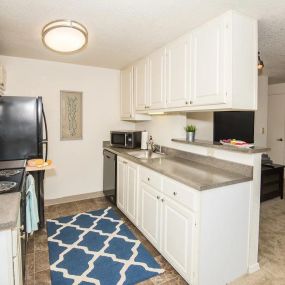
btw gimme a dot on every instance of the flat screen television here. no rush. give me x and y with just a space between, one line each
234 125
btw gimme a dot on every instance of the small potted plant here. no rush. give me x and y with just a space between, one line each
190 133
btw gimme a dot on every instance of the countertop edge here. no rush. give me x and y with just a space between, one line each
223 147
187 183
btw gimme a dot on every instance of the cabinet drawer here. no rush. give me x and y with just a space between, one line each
181 193
151 178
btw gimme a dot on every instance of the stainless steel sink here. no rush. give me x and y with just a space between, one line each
145 154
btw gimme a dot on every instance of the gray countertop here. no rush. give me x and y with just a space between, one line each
200 176
9 210
250 150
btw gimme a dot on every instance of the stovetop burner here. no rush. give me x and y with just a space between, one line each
9 172
7 186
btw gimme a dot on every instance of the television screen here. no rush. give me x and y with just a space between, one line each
234 125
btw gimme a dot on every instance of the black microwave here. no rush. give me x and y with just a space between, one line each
126 139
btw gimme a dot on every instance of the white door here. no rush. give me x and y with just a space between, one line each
140 85
150 213
208 63
127 92
276 127
131 192
177 73
121 182
178 235
156 79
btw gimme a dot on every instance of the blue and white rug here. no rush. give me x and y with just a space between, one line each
97 248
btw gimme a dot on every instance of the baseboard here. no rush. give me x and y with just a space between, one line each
253 268
74 198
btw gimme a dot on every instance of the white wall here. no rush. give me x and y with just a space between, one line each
204 123
79 164
260 123
163 128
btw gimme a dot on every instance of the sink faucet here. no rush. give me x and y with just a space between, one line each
151 144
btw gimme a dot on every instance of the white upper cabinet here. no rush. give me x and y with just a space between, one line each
157 79
127 93
208 63
214 67
141 93
177 72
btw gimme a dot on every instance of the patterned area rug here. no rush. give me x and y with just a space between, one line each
97 248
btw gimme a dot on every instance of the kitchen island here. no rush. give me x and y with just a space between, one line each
195 209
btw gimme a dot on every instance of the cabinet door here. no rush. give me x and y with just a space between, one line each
208 63
177 73
140 85
121 182
177 236
127 92
131 192
150 212
156 79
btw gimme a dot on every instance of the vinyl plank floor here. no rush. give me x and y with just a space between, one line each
271 246
37 264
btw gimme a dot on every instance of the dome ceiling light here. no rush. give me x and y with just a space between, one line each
64 36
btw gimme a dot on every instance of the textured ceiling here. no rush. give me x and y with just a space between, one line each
121 31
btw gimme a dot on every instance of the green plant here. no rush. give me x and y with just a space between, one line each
190 129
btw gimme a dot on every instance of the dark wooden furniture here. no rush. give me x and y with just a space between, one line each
271 181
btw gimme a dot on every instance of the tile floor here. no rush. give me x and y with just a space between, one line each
271 247
37 263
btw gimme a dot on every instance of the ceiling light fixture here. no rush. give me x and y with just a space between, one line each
64 36
260 64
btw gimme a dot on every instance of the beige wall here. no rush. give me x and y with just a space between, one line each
260 123
79 165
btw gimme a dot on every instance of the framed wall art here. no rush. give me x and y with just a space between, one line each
70 115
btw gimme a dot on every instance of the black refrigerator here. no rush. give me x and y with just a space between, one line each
24 135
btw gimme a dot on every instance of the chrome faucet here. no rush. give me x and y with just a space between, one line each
150 145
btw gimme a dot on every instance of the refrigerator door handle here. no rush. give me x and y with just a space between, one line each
45 141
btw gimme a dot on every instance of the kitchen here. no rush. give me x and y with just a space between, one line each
75 183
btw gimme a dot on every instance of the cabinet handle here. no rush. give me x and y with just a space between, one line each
157 197
190 102
145 107
130 116
174 193
186 102
125 162
162 200
148 179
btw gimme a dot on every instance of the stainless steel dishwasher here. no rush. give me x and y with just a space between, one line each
110 175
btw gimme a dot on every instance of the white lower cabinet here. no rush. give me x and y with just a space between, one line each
131 191
127 188
202 234
121 181
178 236
11 256
150 213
